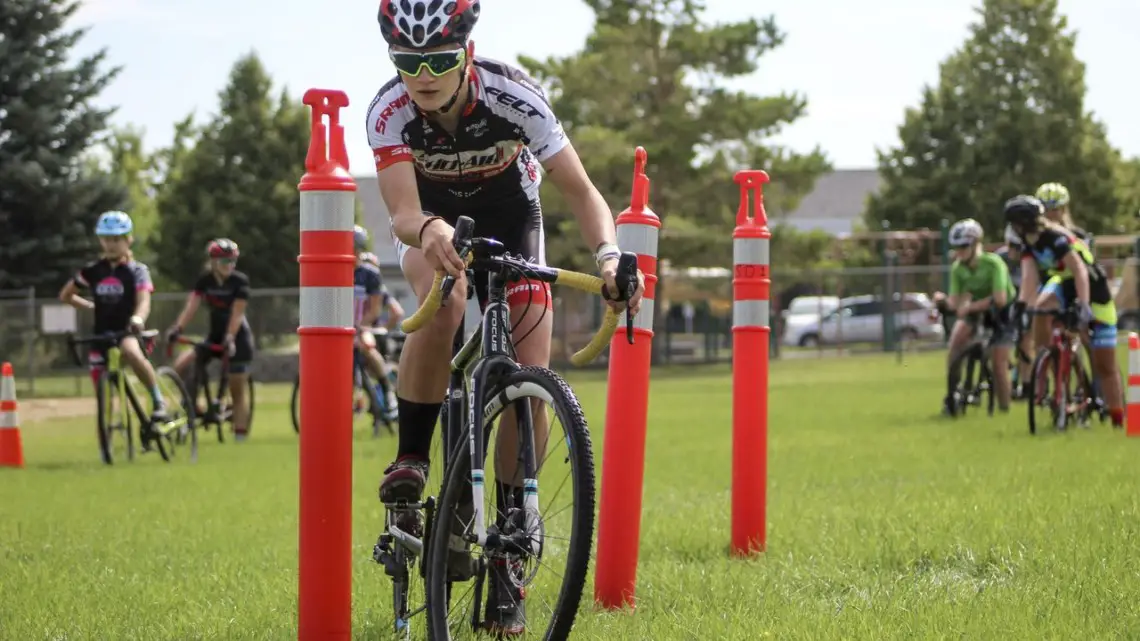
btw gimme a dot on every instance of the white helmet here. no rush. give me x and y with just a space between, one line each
1012 239
965 233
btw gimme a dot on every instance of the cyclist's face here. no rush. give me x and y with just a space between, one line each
224 266
436 76
964 253
1057 214
115 246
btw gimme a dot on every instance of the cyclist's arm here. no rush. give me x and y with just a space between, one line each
142 304
70 295
1030 280
373 311
237 317
1000 284
593 215
1080 273
954 298
402 198
188 310
395 313
237 310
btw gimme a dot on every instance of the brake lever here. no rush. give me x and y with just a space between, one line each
627 271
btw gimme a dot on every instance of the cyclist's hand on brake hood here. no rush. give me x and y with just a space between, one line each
609 273
436 244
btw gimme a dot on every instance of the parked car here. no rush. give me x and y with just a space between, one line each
803 314
859 319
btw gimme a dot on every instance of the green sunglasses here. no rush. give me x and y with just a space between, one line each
438 63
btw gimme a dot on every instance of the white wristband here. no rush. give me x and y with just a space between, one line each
606 252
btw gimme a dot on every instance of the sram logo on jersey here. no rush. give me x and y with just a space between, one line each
470 164
399 103
386 156
513 102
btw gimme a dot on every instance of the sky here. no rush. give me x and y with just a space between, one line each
859 64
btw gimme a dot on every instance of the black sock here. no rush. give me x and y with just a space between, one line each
417 424
506 497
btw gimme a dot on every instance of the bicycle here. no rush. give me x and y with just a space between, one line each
964 391
115 388
219 407
366 395
1052 383
431 540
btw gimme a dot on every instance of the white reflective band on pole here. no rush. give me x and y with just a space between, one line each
1134 362
643 320
750 313
327 306
637 238
750 251
1133 394
327 210
8 420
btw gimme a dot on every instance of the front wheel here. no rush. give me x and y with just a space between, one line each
1042 394
497 588
178 430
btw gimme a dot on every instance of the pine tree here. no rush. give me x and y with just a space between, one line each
238 180
49 197
1007 115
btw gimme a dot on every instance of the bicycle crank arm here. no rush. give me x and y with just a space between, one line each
408 541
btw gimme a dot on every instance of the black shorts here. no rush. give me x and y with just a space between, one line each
515 223
243 349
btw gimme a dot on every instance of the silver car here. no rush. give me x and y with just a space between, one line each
859 319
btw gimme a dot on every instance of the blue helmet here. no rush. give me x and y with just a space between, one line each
359 238
113 223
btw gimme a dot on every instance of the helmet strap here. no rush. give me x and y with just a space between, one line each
455 96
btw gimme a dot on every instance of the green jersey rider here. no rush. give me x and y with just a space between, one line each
980 292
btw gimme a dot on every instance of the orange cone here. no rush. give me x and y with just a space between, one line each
1132 392
11 447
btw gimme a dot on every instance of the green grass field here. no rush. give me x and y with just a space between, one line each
885 522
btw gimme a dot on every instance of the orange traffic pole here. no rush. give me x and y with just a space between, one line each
750 342
328 200
627 408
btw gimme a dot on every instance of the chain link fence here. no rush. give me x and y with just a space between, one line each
815 313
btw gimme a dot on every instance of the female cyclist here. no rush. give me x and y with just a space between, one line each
980 291
1073 279
1055 197
1014 249
226 292
120 292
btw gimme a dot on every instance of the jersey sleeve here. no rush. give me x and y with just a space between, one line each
1061 246
544 132
385 125
141 272
241 286
85 275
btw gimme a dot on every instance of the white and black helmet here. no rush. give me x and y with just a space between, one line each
965 233
422 24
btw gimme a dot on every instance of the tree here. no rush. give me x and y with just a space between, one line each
652 73
237 180
1007 115
49 197
1128 181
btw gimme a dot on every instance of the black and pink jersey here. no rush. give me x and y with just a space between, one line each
114 290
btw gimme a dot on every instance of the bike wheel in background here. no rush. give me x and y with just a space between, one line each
1041 398
295 403
179 432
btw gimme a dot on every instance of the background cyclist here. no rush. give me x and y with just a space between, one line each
1055 197
1012 253
226 292
367 287
391 313
1075 281
980 292
470 141
120 297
